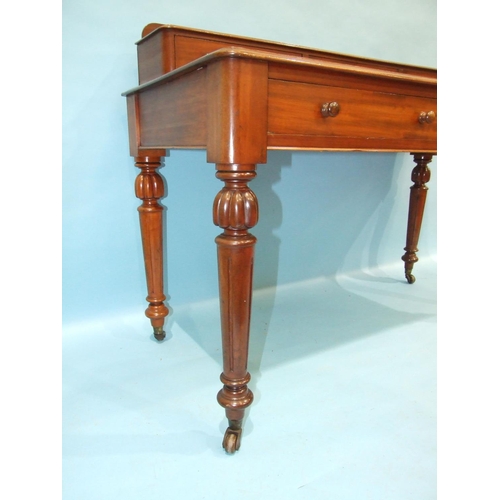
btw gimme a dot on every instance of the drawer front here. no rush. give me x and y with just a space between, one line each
295 109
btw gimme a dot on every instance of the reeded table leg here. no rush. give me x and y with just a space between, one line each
235 211
149 188
418 193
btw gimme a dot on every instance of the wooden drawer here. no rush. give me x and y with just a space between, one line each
295 109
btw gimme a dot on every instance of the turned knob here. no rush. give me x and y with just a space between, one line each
330 109
428 117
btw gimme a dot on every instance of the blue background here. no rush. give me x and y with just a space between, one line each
321 213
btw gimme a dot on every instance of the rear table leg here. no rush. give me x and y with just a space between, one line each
149 188
418 193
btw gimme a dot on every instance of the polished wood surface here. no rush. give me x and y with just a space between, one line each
237 98
164 48
149 188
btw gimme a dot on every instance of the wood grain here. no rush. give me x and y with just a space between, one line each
238 97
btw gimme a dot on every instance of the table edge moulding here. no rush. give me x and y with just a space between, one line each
237 98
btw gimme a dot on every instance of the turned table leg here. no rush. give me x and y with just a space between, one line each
235 211
149 188
418 193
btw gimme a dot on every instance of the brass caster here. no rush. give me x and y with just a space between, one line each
232 440
159 333
410 278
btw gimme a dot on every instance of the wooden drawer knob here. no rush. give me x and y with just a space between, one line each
428 117
330 109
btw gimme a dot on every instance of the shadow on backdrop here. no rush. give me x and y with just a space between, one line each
348 190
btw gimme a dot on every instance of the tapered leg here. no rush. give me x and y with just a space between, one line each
235 211
418 193
149 188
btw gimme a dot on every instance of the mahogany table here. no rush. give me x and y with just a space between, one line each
238 97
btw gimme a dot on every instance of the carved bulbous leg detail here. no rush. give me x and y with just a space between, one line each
235 211
418 193
149 188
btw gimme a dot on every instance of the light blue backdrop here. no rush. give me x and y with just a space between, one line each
320 213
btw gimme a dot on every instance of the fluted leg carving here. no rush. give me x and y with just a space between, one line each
149 188
235 211
418 193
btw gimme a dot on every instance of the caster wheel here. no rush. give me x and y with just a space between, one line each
229 444
232 440
410 278
159 333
